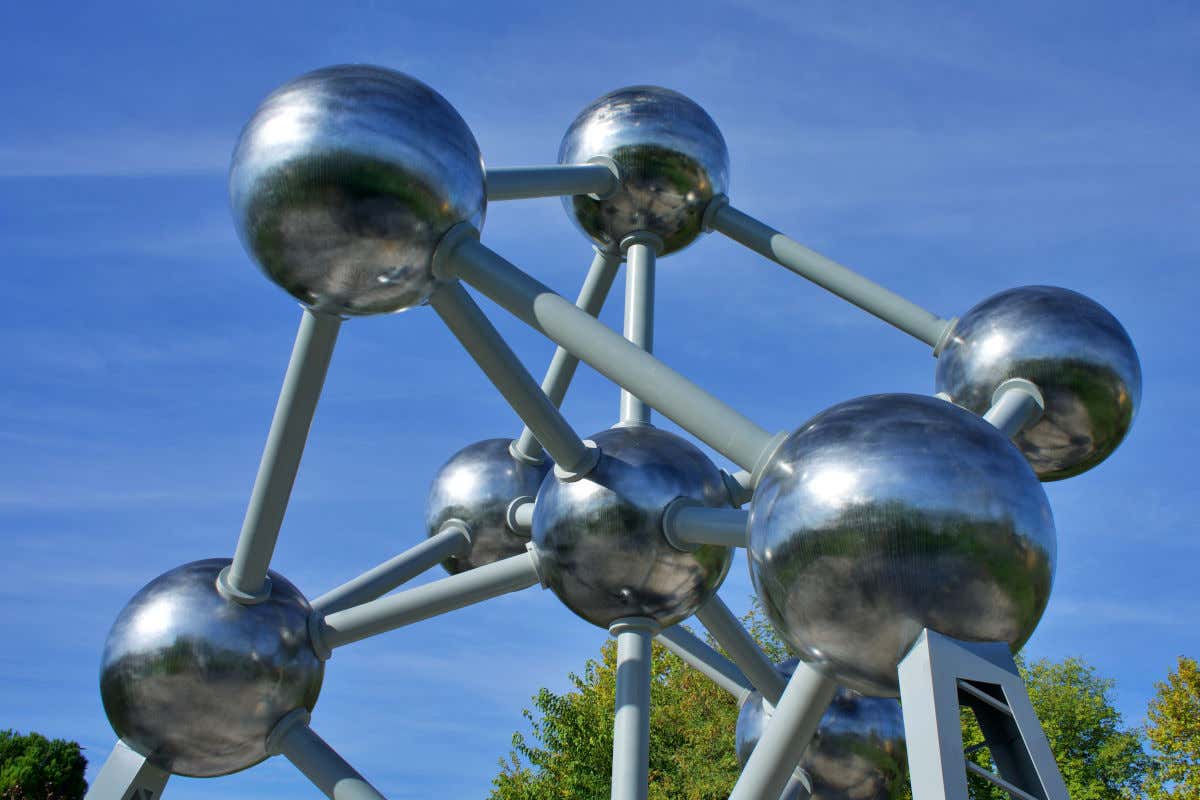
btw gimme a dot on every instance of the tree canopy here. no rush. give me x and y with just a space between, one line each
33 767
1174 732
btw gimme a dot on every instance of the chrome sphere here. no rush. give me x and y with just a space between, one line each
476 486
671 158
600 541
343 182
195 682
1074 350
891 513
858 752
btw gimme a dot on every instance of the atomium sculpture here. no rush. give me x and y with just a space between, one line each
902 545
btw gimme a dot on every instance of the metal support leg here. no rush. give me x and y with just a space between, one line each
518 183
707 661
786 737
451 540
320 763
631 727
847 284
1016 403
484 343
687 525
562 366
245 580
640 251
127 775
744 651
937 676
413 605
656 384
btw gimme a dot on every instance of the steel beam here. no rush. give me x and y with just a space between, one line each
742 648
298 743
707 661
127 775
1016 404
640 253
631 725
518 183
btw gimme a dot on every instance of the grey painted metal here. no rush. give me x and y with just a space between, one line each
930 676
1016 404
320 763
671 158
413 605
600 540
343 182
506 372
742 648
741 487
797 787
302 383
845 283
992 777
452 540
947 525
596 285
784 740
631 725
714 666
476 487
640 252
127 775
521 516
516 183
198 680
686 525
858 750
659 386
1072 348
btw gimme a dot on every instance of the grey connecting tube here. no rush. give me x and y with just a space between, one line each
517 183
639 316
631 725
451 540
1016 404
413 605
845 283
484 343
656 384
707 661
786 737
127 774
320 763
686 524
246 578
562 366
742 648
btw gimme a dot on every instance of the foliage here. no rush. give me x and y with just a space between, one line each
1174 733
33 767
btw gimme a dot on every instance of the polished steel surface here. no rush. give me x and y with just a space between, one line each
1072 348
858 752
671 159
476 486
195 682
343 182
599 539
891 513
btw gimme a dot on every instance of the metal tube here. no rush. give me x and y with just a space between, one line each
786 736
847 284
639 317
413 605
517 183
484 343
631 726
127 774
319 762
1016 404
451 540
694 524
659 386
522 518
742 648
707 661
562 366
246 578
798 787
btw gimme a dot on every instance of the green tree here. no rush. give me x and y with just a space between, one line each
1174 733
33 767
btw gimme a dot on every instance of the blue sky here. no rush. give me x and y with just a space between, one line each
947 150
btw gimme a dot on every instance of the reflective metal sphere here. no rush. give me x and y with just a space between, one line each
343 182
600 541
1074 350
891 513
671 158
858 753
196 682
476 486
